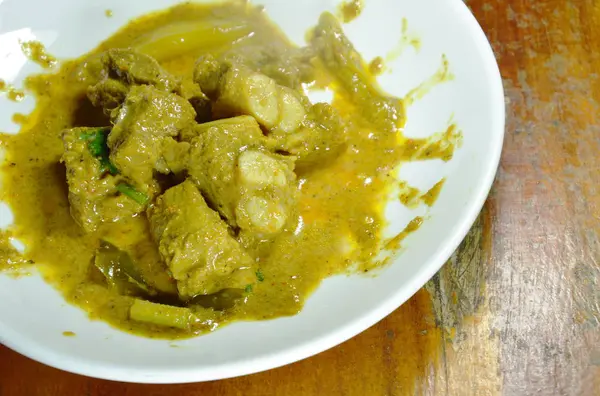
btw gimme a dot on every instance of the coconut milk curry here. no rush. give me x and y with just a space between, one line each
177 178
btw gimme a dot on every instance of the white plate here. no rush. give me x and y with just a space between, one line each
33 315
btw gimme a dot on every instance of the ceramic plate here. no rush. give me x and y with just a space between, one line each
33 315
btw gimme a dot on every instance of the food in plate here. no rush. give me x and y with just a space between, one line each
178 177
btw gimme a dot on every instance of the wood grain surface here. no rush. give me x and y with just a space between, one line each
516 311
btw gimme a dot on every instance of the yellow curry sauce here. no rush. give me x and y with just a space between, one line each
12 93
339 222
350 10
36 52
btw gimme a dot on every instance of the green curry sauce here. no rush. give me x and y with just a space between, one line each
339 221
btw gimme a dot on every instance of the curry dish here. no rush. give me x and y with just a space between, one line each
178 178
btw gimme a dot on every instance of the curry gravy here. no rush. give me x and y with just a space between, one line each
340 216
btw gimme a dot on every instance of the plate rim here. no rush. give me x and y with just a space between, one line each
352 328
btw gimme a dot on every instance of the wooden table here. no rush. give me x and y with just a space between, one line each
516 311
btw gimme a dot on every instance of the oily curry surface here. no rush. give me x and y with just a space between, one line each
177 177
